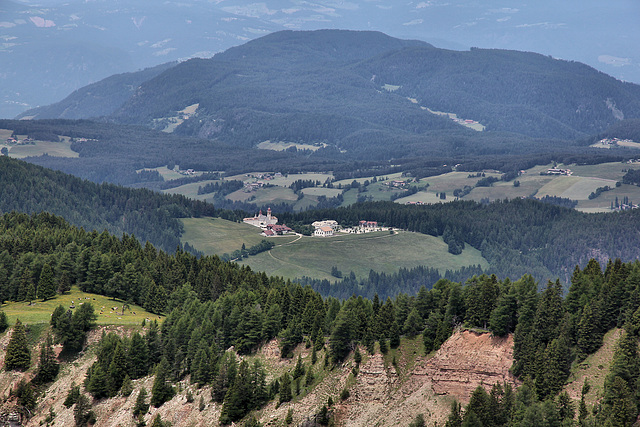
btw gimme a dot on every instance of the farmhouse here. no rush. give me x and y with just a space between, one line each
261 220
557 171
325 231
278 229
397 184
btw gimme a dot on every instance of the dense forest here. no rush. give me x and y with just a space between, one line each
212 305
146 214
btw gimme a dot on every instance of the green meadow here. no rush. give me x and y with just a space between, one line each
40 311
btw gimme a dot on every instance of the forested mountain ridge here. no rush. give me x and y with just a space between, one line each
98 99
328 86
146 214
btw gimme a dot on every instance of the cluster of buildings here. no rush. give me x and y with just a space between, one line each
253 186
613 141
16 141
328 228
268 223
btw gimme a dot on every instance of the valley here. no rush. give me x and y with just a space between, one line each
534 182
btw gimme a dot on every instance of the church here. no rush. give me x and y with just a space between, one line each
261 220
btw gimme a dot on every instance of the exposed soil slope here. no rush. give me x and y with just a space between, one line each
383 397
381 394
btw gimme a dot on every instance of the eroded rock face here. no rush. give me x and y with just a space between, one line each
466 360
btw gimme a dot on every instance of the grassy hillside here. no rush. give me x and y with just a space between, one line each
218 236
296 256
40 312
381 252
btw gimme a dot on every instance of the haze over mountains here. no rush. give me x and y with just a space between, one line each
347 88
52 48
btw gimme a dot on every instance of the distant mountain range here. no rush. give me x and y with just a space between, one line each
360 91
50 48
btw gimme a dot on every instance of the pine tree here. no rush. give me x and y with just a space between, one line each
127 386
566 410
117 369
162 390
98 382
46 285
48 366
138 357
394 341
285 389
157 422
384 348
31 292
82 413
141 406
455 416
340 340
72 396
4 322
18 356
413 325
237 402
299 370
588 336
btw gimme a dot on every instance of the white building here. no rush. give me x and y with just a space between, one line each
325 231
326 223
261 220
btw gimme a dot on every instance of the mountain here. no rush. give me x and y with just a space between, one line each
101 98
357 91
52 47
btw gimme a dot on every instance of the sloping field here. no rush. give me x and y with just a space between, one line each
581 189
191 190
264 196
380 251
40 312
215 236
55 149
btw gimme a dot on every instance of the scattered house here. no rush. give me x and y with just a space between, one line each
614 141
260 220
268 233
397 184
252 186
188 172
557 171
325 231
